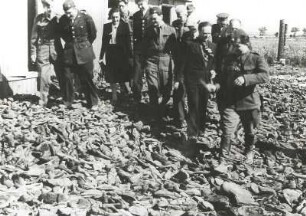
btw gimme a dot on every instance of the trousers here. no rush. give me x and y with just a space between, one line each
197 104
179 96
230 119
85 74
159 79
138 73
48 65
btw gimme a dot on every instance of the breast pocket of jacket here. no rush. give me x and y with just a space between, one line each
165 39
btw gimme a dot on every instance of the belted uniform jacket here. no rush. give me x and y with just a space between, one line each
78 35
254 69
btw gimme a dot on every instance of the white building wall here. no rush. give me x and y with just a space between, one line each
13 38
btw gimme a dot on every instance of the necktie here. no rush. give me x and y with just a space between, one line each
157 31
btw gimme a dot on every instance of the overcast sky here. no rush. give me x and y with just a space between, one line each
256 13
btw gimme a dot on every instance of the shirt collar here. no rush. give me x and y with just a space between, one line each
115 26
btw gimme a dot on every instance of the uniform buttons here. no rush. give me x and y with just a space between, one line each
73 36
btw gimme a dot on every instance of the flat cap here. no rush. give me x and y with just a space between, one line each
47 2
222 16
68 4
156 10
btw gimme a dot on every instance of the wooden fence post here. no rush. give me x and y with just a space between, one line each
281 40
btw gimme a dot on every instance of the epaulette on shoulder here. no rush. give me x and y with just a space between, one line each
39 16
83 11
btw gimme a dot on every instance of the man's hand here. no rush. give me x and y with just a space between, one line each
176 85
33 58
213 74
239 81
211 88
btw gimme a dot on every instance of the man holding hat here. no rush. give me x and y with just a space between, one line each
238 96
78 31
158 45
46 50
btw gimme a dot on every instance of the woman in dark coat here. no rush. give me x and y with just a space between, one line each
116 46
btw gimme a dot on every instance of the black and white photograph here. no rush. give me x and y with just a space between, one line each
153 108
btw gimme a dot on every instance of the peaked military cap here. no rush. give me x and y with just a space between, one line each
156 10
68 4
47 2
222 16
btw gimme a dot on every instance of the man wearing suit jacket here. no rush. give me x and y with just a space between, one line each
238 96
196 71
141 21
78 31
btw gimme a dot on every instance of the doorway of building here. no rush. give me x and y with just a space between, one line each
32 11
166 9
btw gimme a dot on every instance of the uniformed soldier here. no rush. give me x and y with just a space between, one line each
158 45
141 21
179 91
222 22
46 50
225 45
238 96
78 30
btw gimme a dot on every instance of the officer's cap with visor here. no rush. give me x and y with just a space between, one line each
47 2
68 4
222 16
156 10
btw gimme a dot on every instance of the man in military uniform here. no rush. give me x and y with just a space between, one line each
222 22
141 21
46 50
238 96
179 91
78 31
158 45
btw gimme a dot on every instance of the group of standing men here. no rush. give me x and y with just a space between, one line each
180 59
77 29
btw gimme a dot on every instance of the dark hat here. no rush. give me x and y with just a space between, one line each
47 2
190 7
68 4
222 16
242 39
156 10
